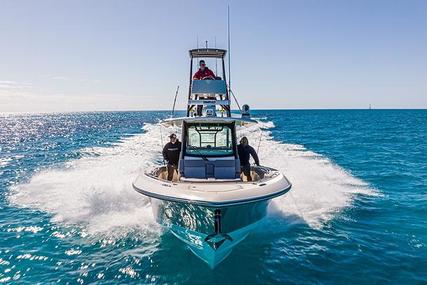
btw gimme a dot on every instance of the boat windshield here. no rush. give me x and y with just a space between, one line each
209 140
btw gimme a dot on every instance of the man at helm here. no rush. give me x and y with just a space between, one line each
171 153
204 72
245 151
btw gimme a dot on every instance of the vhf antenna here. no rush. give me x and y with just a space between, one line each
229 60
174 102
216 61
229 51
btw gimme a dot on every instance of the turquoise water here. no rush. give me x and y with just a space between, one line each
356 213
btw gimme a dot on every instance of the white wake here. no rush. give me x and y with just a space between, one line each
320 188
95 192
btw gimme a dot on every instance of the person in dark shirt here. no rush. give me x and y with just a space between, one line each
245 151
171 153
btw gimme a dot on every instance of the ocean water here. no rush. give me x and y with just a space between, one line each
357 212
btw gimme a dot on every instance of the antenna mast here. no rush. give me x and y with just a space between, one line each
229 51
174 101
216 61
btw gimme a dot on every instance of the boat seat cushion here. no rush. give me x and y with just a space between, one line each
219 169
226 169
193 168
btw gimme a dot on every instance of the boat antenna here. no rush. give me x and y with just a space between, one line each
229 47
206 42
229 59
197 39
216 61
174 101
235 99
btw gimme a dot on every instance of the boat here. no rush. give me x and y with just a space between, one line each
209 204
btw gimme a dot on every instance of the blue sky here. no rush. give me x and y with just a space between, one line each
131 55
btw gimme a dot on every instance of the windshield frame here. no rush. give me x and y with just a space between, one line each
201 154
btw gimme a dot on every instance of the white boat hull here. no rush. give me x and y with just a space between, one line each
211 216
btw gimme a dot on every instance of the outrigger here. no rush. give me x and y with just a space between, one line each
209 204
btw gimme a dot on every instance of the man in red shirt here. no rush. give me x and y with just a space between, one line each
204 72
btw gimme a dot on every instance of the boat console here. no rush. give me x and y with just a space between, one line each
209 151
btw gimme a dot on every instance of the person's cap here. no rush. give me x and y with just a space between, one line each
243 139
172 136
201 62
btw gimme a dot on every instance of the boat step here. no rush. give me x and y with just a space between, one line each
209 102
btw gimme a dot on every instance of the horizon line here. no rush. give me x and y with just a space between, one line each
183 110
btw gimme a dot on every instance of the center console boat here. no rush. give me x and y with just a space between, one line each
209 204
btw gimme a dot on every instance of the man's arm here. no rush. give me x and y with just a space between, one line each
165 152
254 155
